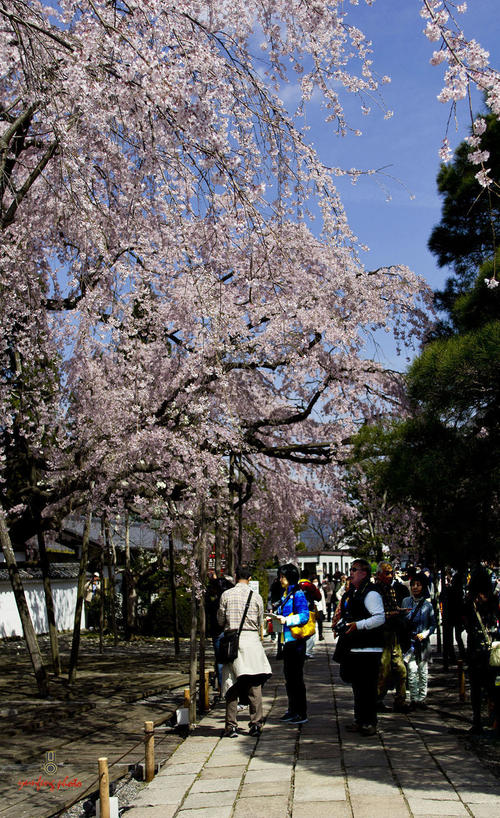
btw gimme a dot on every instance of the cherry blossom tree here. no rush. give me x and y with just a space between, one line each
175 251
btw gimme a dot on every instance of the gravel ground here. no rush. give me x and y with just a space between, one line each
125 790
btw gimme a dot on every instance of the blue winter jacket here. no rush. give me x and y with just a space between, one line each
294 606
424 622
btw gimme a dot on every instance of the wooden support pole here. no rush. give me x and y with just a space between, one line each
207 690
104 788
461 680
150 750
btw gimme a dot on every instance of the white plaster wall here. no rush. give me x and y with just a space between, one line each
64 593
19 555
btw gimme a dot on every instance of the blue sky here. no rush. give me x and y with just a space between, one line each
397 231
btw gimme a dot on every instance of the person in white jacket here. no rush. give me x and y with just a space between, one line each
320 605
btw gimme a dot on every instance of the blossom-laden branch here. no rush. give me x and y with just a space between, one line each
157 203
468 66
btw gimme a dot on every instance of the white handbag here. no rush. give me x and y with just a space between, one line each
494 660
495 654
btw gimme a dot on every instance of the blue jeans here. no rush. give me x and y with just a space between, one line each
218 665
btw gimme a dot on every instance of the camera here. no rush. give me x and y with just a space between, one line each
341 627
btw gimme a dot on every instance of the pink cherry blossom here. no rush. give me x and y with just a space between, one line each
175 337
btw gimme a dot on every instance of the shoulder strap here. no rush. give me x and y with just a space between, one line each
285 600
416 610
245 612
485 632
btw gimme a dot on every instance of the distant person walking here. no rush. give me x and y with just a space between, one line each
320 605
328 591
92 597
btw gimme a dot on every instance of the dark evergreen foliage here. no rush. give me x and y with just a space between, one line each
467 234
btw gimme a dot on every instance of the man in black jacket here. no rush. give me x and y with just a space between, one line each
364 612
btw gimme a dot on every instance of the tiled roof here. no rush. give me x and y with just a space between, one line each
339 552
61 570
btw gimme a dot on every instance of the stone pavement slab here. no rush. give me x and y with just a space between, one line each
366 806
210 812
431 806
322 809
271 787
271 806
412 768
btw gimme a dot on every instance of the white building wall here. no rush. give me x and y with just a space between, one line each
64 593
339 562
19 555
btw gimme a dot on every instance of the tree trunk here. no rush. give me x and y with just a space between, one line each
111 560
84 556
240 517
49 604
101 601
217 538
130 586
24 613
202 616
441 613
173 592
192 657
230 532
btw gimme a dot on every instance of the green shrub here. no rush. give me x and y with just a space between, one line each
159 620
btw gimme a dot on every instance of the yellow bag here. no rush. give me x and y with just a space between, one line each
303 631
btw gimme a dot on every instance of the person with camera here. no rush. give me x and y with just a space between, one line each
243 678
363 639
293 610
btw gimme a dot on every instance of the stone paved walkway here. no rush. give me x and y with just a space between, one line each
415 767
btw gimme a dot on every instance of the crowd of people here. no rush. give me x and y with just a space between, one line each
383 626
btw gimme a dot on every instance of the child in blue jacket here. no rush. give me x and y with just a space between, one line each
423 624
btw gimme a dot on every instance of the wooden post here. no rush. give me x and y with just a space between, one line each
207 690
150 750
461 680
104 788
